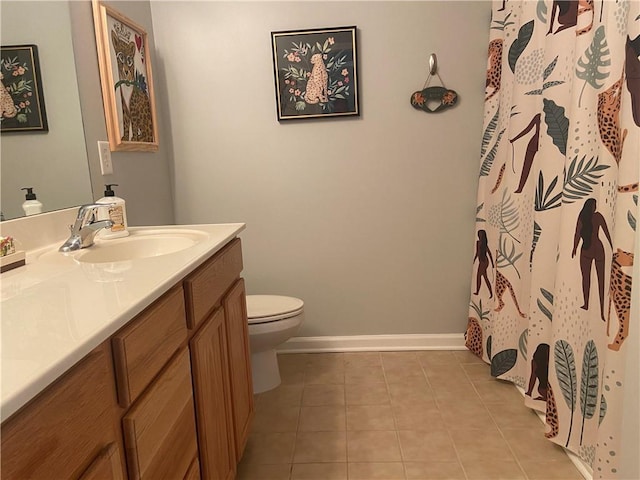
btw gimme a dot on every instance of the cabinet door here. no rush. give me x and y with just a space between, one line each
106 466
235 307
63 429
213 399
160 430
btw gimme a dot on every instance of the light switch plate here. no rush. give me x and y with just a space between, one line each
104 152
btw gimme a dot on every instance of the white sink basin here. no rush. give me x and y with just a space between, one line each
142 244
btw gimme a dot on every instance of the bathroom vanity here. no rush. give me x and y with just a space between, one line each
127 369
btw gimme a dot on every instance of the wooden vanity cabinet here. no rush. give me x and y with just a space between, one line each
70 430
169 394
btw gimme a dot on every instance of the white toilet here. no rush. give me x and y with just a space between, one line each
273 319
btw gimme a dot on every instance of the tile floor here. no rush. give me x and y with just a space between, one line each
396 415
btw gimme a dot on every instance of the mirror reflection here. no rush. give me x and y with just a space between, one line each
54 163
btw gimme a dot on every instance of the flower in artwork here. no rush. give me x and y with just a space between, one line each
344 72
297 93
291 90
346 79
331 40
291 57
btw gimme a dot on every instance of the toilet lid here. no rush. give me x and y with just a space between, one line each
269 308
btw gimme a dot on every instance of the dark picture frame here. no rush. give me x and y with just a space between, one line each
21 92
316 73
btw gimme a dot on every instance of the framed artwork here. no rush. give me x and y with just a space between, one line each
126 79
316 74
21 95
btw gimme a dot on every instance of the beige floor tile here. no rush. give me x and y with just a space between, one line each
419 446
327 418
513 415
445 373
498 391
319 471
446 391
281 396
291 378
316 395
249 471
551 470
398 359
478 372
367 394
434 471
465 415
269 448
370 417
399 373
320 447
530 445
481 445
465 356
276 419
410 391
292 361
323 375
424 417
327 360
493 470
373 446
436 357
362 359
376 471
364 374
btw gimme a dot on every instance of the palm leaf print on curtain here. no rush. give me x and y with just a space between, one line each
556 216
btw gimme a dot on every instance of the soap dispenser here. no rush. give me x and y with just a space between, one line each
31 205
117 213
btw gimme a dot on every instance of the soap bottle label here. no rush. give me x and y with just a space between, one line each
116 215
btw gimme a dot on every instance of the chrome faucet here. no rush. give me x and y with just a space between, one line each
84 230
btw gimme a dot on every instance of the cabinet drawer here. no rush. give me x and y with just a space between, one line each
160 429
60 433
204 288
143 347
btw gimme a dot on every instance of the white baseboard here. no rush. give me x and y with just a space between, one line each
364 343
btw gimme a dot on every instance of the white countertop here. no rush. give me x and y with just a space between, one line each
55 313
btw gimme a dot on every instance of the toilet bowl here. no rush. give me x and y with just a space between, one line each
273 319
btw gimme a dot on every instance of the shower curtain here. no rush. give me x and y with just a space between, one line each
556 213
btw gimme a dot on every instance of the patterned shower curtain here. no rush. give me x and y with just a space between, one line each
557 199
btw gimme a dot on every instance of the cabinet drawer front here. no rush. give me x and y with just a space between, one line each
142 348
160 430
64 428
205 287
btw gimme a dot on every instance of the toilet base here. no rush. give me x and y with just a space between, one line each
265 371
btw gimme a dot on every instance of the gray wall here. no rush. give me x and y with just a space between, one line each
369 220
144 178
54 163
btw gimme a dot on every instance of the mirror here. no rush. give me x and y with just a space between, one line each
54 163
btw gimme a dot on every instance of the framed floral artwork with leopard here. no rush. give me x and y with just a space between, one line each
21 98
126 79
316 74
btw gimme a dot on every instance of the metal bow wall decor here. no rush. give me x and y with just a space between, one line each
433 99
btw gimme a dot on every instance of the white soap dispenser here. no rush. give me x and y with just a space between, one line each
117 213
31 205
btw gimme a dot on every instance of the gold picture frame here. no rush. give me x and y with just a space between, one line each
126 79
